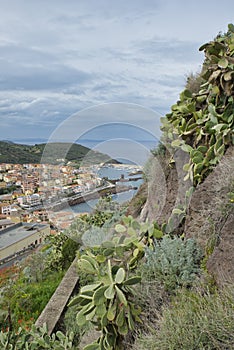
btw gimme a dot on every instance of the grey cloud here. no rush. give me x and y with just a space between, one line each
172 82
30 69
58 57
44 78
19 53
84 22
147 51
108 113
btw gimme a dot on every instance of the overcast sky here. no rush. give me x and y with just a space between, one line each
60 57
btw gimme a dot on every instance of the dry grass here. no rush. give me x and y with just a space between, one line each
194 321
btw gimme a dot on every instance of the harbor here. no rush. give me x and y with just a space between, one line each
87 196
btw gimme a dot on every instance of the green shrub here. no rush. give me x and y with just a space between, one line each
23 301
174 262
108 303
159 150
70 325
194 321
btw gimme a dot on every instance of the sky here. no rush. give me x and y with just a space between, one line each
97 60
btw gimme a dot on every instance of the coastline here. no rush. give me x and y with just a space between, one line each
82 198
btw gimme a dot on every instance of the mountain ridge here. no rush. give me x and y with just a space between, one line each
54 153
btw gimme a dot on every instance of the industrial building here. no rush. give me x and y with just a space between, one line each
20 237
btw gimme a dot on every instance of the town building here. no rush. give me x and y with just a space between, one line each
20 237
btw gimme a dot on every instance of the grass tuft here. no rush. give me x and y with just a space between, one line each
194 321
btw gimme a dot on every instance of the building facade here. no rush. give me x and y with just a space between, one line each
20 237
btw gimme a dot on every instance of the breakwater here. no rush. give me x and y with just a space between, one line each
130 179
82 198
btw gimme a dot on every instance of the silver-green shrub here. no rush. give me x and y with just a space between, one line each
173 261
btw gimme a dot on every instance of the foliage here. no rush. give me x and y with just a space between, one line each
8 273
68 251
70 325
136 204
77 228
107 205
108 301
7 190
160 150
202 123
195 320
25 295
17 153
34 339
34 271
61 251
194 82
178 215
95 236
106 212
90 229
173 261
23 299
139 202
64 245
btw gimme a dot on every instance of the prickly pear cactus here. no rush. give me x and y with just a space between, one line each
202 124
108 303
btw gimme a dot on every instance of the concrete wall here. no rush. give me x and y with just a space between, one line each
56 306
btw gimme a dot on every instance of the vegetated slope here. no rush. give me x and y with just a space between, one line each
199 140
49 153
199 129
196 201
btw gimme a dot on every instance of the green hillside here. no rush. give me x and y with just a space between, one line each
50 153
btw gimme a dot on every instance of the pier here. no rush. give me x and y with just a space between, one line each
86 196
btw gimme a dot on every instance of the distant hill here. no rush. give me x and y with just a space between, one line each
53 153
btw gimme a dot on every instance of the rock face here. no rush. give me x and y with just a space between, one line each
221 262
208 203
210 218
166 187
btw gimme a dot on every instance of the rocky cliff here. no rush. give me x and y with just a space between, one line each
210 214
188 185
